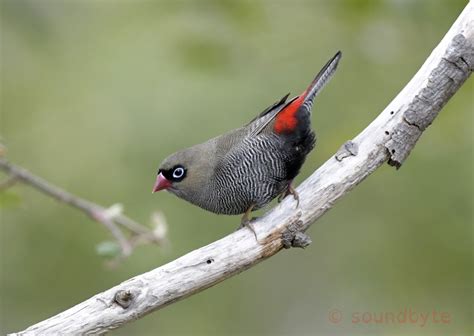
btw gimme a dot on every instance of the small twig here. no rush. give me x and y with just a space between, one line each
139 233
100 216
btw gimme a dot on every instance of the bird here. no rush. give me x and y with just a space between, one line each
246 168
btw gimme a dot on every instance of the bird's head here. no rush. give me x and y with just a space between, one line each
184 173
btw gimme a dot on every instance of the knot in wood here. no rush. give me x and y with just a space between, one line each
293 237
123 298
349 148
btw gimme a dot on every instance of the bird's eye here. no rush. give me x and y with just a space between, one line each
178 173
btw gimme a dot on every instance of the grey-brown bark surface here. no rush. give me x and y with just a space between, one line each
389 138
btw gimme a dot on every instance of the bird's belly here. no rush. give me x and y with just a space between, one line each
251 175
239 196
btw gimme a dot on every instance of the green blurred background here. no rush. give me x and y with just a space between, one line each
94 94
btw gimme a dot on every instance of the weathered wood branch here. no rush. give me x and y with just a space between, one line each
389 138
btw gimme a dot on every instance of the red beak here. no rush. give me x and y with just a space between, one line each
161 183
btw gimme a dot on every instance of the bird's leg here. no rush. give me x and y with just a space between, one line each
245 221
290 191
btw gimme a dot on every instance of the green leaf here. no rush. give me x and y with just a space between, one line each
108 249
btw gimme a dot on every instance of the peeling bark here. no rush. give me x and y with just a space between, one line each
445 79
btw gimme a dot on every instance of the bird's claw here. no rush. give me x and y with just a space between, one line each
290 191
248 225
245 221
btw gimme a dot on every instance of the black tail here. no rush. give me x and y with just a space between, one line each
321 79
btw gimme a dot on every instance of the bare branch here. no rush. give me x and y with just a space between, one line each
390 137
111 217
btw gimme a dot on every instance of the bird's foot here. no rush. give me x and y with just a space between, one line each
249 225
246 221
296 196
290 191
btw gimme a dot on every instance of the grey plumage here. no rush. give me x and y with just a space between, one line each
247 167
246 171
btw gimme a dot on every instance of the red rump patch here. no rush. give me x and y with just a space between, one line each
286 120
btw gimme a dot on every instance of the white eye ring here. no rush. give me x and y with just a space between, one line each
178 172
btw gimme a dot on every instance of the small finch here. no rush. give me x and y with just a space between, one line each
246 168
